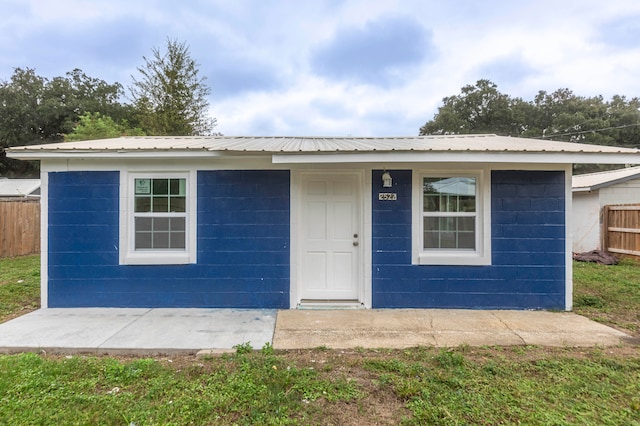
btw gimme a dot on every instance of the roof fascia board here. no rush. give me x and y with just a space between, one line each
36 155
467 157
113 154
347 157
582 189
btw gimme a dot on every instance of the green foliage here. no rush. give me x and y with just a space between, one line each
478 109
243 348
450 359
561 115
19 286
585 300
96 126
171 97
267 349
36 110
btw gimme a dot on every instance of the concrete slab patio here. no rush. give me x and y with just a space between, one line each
401 328
136 331
155 331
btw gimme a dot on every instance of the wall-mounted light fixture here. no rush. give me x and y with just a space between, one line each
387 181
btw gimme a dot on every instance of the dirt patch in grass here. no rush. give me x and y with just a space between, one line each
377 405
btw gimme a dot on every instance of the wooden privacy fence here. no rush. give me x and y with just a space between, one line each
19 227
621 229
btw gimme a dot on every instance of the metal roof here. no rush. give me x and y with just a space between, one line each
291 144
18 187
592 181
292 149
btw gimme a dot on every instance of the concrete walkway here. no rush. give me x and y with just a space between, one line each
401 328
155 331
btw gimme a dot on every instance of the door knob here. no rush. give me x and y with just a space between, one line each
355 244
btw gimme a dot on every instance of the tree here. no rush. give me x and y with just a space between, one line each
560 115
20 123
97 126
36 110
478 109
171 96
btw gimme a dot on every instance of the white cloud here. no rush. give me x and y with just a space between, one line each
287 67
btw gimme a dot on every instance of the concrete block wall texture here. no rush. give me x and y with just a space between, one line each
528 249
244 237
243 257
243 245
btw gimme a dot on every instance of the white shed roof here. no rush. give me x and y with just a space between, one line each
18 187
290 149
592 181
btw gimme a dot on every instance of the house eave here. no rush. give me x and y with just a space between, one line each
582 189
110 154
457 156
339 157
608 183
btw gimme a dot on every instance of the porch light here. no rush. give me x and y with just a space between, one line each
387 182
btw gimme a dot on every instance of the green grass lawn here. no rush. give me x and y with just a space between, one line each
609 294
19 286
465 385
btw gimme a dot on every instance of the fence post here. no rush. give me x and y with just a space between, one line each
604 232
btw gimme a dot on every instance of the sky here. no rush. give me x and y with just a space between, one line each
336 68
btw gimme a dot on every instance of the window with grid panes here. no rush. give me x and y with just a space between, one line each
449 215
160 213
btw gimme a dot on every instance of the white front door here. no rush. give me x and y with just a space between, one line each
330 236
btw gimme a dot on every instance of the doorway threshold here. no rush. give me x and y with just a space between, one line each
330 304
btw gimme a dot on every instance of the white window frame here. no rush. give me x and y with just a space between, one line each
128 254
482 253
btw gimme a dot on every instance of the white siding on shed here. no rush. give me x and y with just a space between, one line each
622 193
586 222
591 193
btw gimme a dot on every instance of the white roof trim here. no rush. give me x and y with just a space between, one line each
33 155
592 181
460 157
289 149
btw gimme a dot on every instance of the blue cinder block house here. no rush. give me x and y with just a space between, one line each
467 221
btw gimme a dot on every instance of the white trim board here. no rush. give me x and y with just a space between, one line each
457 157
127 255
568 302
482 255
44 240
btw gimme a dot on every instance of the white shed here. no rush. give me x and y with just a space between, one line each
593 191
23 188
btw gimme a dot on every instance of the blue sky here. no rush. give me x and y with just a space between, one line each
336 68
